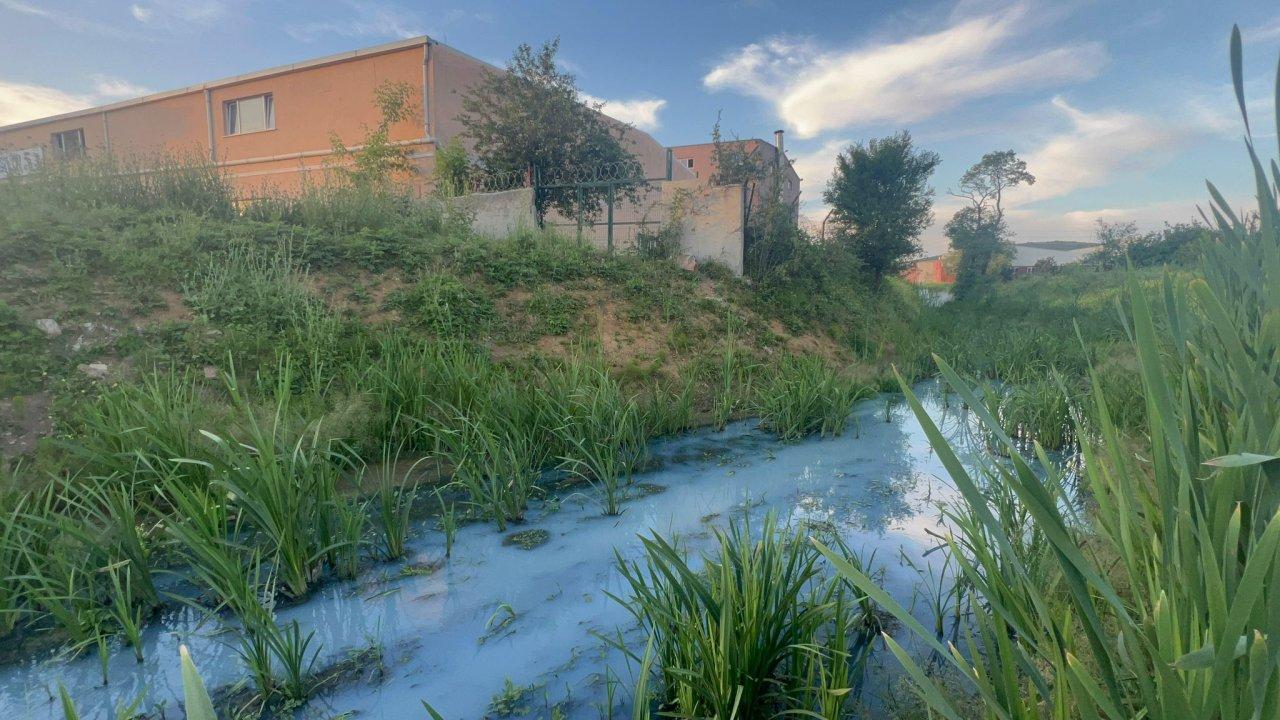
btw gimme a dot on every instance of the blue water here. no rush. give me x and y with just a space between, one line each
495 612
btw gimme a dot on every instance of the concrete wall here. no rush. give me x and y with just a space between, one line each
498 214
709 219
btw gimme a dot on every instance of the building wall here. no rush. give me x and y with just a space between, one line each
311 100
704 164
929 270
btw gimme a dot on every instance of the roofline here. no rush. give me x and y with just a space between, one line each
233 80
725 142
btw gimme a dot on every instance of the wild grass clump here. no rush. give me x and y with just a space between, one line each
443 306
597 428
805 396
1161 603
758 631
1039 411
141 183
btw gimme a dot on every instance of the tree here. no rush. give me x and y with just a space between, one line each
532 116
981 239
379 160
983 185
881 201
978 232
770 231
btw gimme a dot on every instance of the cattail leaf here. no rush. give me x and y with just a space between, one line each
1239 460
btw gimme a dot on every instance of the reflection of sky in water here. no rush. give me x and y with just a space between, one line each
878 486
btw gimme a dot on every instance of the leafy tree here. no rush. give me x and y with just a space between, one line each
770 234
982 239
881 201
978 232
983 185
379 161
1122 243
532 116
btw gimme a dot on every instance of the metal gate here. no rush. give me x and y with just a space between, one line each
607 204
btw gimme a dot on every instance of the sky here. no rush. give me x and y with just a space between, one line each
1121 108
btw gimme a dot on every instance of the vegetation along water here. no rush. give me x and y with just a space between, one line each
338 454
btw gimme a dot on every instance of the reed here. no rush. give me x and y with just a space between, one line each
804 396
748 633
395 503
1161 603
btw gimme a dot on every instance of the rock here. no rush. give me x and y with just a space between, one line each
210 372
49 327
688 263
96 370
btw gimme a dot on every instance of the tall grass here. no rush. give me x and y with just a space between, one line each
1162 603
757 631
804 396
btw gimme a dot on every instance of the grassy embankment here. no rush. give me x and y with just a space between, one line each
275 378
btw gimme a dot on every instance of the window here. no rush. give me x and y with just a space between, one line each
688 162
251 114
69 143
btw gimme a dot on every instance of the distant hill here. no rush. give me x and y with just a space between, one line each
1059 245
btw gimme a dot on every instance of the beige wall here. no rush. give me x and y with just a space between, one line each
498 214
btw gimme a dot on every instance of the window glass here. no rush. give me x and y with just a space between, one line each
251 114
69 143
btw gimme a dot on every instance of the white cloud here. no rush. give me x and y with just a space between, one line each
20 102
816 89
106 87
178 14
1098 146
814 168
643 114
366 19
1263 33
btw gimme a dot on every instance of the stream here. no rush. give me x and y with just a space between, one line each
453 632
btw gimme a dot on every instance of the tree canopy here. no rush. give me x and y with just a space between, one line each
881 201
532 116
978 232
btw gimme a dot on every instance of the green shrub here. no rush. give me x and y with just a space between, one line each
554 312
443 306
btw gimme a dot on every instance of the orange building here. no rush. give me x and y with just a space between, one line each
273 128
930 270
700 159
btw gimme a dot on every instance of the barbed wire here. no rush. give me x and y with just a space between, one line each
622 171
478 182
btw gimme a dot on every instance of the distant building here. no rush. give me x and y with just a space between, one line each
930 270
1028 256
272 128
700 159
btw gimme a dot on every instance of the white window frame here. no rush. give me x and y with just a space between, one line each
231 123
58 141
688 163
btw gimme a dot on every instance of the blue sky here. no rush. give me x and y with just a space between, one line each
1121 108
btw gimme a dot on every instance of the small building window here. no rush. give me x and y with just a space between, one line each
251 114
688 162
69 143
